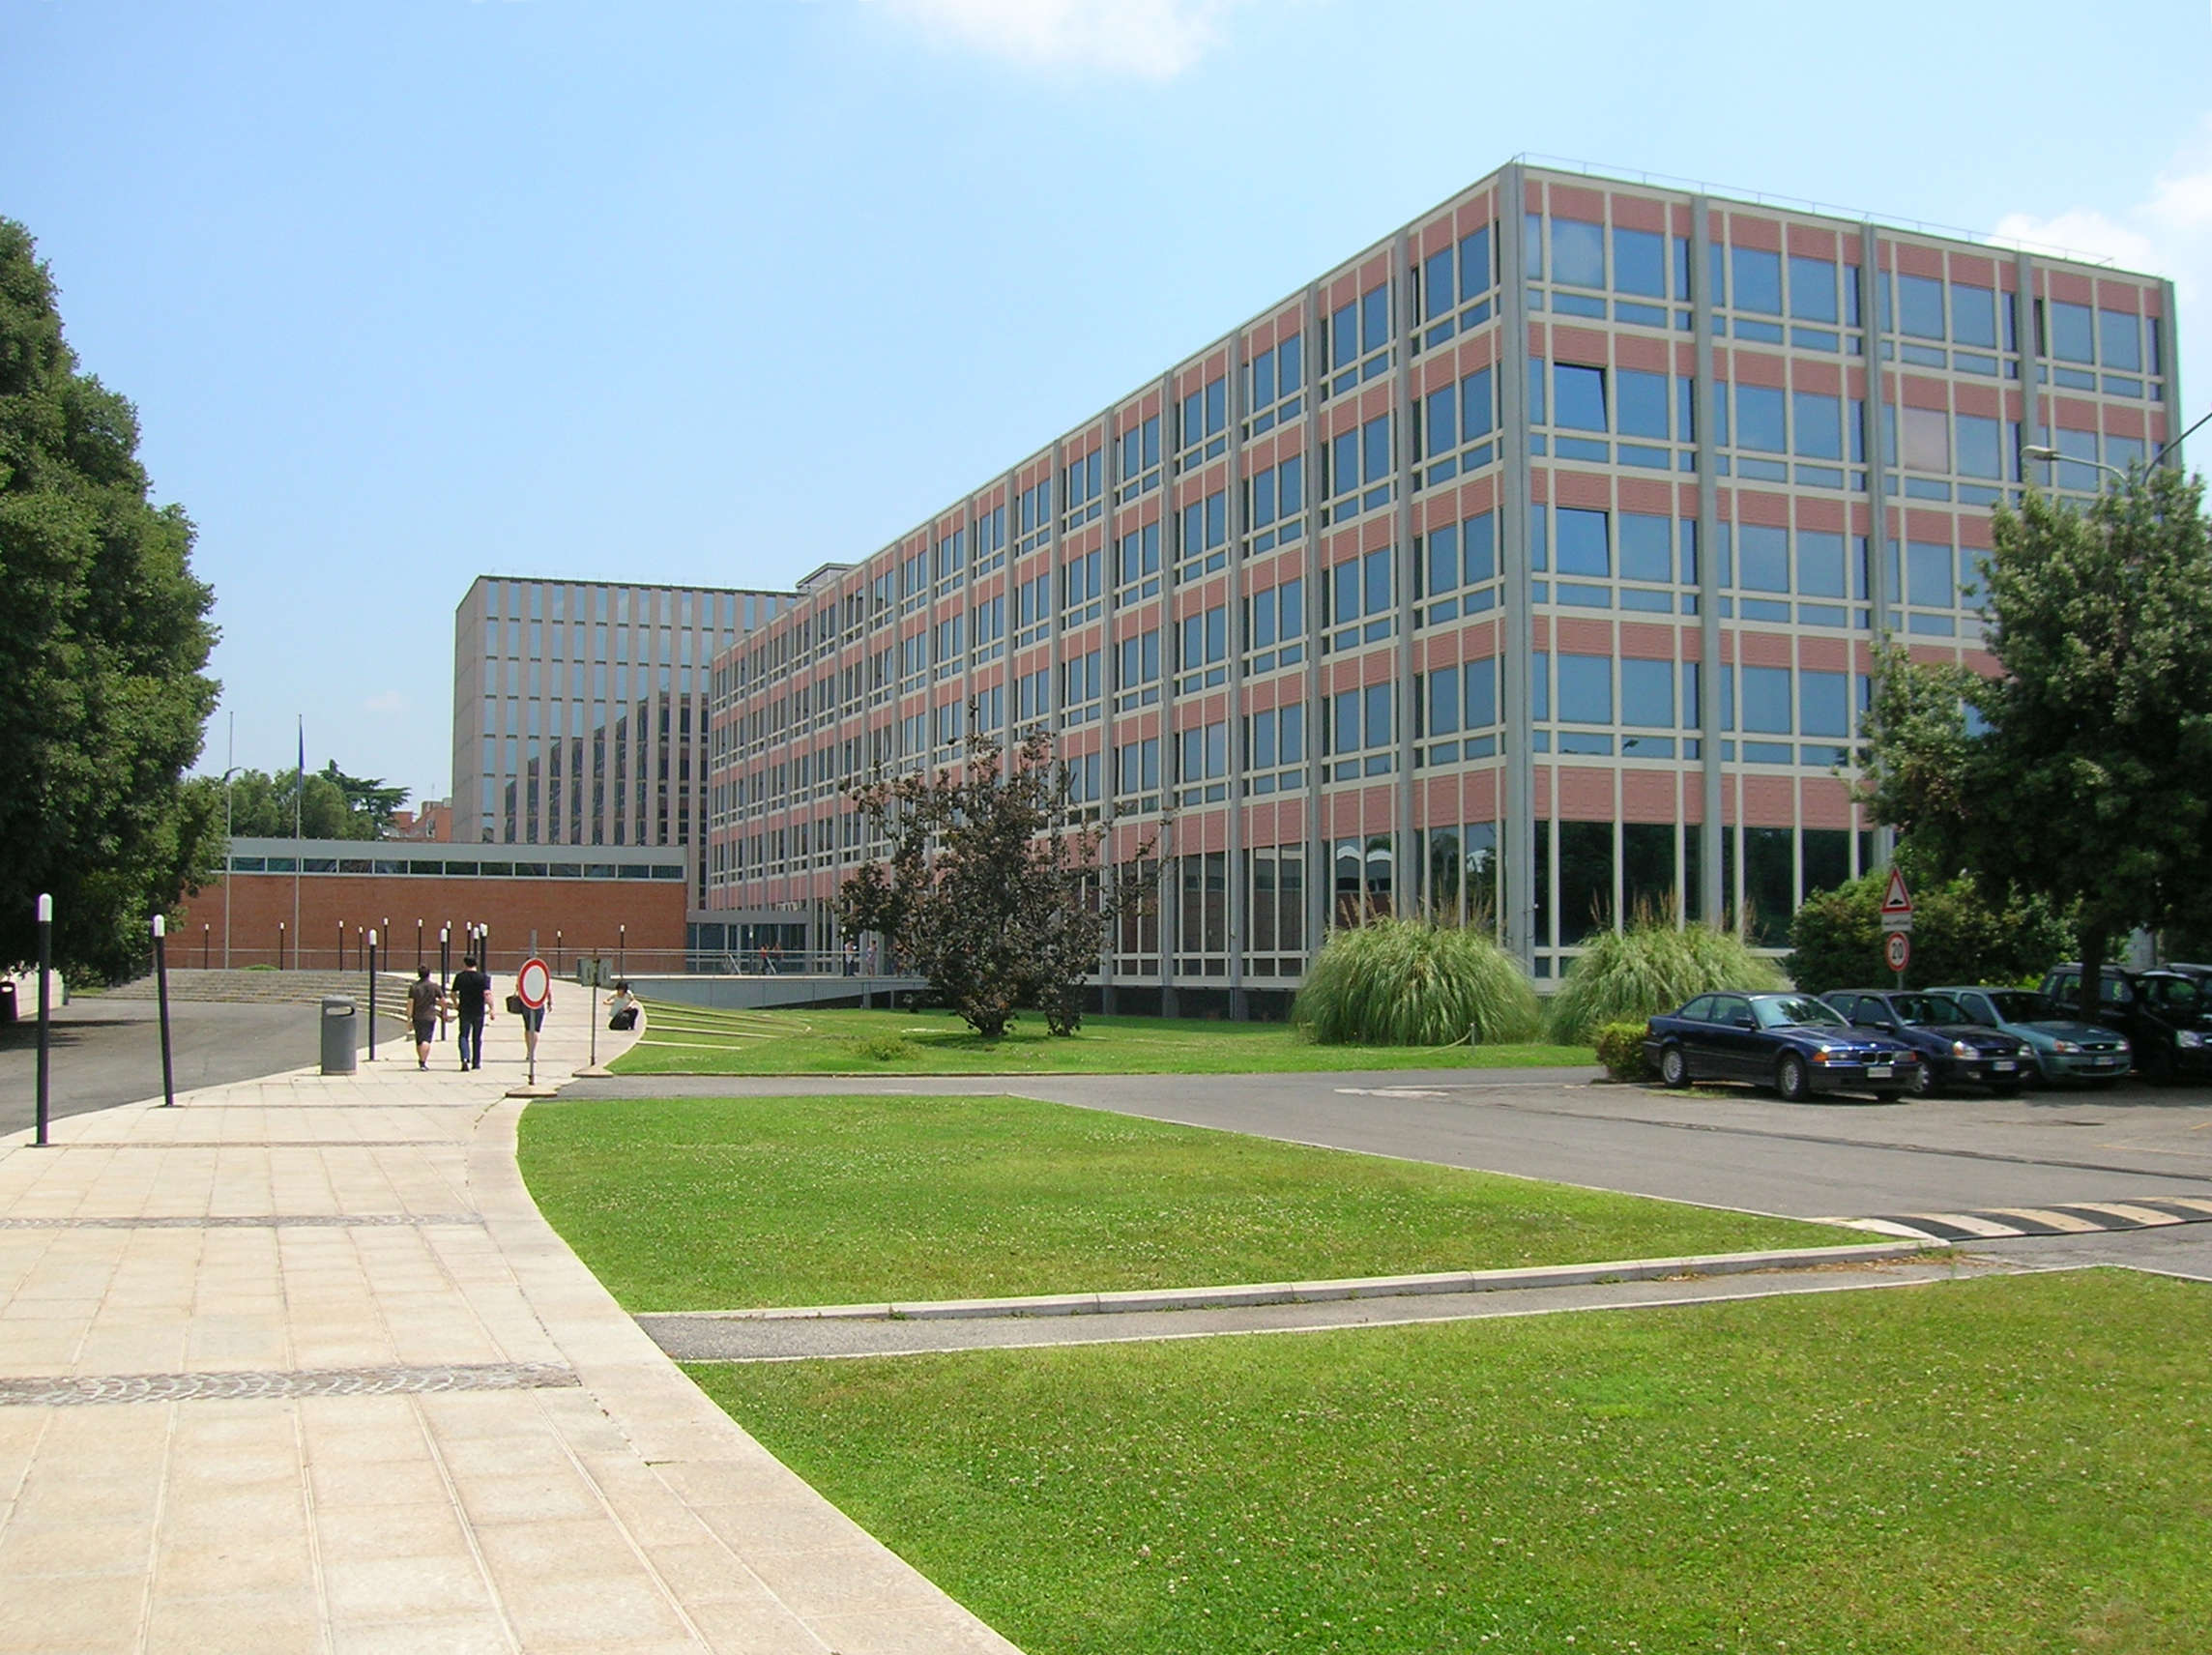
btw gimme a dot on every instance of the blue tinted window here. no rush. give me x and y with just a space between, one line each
1981 448
1639 262
1812 289
1443 702
1344 593
1767 700
1290 365
1344 462
1585 690
1374 447
1928 576
1581 396
1475 264
1758 419
1344 336
1291 485
1583 542
1439 422
2120 337
1643 403
1536 391
1648 694
1920 306
1481 693
1758 280
1475 399
1374 319
1824 703
1819 422
1378 716
1578 254
1644 551
1478 547
1441 567
1539 538
1436 290
2071 335
1532 245
1974 317
1376 576
1819 563
1762 558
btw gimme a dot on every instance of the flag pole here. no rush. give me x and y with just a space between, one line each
298 790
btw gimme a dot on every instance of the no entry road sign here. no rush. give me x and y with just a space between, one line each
533 984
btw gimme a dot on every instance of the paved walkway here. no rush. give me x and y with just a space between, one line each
296 1365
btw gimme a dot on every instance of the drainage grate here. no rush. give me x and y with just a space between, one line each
102 1388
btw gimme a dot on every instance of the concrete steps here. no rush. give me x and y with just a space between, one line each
273 988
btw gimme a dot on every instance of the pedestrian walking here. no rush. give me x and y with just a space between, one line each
472 1004
425 1009
533 1016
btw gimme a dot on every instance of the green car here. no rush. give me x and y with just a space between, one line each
2064 1049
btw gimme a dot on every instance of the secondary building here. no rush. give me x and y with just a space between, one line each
1524 568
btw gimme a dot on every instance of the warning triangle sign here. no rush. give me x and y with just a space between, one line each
1896 899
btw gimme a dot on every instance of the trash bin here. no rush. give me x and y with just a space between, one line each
337 1035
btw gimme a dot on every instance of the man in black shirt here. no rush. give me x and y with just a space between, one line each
472 999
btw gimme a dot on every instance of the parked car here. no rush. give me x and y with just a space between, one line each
1952 1046
2167 1015
2066 1049
1795 1044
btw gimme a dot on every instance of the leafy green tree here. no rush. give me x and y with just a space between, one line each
2080 774
261 807
1960 935
370 800
990 891
103 639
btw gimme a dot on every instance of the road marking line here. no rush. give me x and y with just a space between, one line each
1966 1223
2121 1209
2045 1216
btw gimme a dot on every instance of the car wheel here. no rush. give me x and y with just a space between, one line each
1673 1067
1790 1079
1924 1082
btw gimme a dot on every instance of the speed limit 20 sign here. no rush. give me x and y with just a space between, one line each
1897 952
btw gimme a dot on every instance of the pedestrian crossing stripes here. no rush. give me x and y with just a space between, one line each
2070 1218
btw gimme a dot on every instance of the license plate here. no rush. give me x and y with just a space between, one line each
1877 1071
2003 1066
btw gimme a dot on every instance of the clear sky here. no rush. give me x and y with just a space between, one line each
410 290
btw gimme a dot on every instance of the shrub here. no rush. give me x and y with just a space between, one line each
1403 982
1620 1049
883 1048
1652 967
1960 935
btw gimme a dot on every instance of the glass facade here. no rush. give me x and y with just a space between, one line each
580 710
1525 569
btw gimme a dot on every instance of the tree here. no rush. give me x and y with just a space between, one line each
104 636
1960 935
2079 774
990 891
367 798
261 805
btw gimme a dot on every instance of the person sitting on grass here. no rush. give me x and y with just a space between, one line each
622 1007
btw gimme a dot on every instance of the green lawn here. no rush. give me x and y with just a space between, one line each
2015 1465
685 1040
714 1204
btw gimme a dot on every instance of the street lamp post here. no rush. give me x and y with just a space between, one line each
279 944
371 956
46 1006
161 989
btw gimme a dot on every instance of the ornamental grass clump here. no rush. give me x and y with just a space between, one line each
1652 967
1402 982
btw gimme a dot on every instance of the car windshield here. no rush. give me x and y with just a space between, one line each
2177 995
1796 1008
1925 1011
2024 1005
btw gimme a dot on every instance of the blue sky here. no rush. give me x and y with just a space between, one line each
414 290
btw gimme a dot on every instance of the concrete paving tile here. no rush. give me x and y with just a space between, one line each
799 1521
757 1625
395 1482
389 1531
209 1564
706 1571
945 1629
531 1451
576 1547
482 1634
851 1579
532 1498
73 1547
271 1516
72 1613
267 1624
58 1492
552 1614
387 1588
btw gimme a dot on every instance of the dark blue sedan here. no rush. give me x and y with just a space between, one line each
1792 1042
1952 1046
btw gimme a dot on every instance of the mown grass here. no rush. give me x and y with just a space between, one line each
683 1039
2017 1465
709 1203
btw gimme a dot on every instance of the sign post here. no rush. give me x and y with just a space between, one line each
533 987
1897 922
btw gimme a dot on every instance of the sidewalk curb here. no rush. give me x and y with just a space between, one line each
1323 1293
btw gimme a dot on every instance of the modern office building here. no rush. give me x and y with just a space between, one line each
1527 565
580 710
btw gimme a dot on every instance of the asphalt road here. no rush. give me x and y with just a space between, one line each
105 1052
1745 1149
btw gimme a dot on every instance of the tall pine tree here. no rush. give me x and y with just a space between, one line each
103 639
